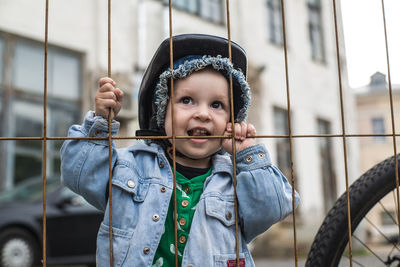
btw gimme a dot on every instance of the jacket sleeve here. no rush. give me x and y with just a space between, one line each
85 163
264 194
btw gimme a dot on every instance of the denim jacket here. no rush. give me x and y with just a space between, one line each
142 186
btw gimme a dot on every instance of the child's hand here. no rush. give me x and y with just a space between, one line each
243 134
108 96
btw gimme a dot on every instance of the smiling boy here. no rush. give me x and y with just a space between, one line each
143 232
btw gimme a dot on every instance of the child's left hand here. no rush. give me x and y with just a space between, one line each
243 137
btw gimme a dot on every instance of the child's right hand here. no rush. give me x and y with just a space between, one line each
108 96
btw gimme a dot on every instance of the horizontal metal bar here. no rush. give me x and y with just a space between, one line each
37 138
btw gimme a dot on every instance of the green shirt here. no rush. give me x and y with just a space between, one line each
187 196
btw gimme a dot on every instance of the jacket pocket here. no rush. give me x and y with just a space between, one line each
229 260
121 242
129 182
223 210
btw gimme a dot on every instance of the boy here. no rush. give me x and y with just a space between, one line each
143 227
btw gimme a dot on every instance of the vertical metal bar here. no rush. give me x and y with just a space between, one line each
109 39
228 24
343 132
171 57
5 110
392 114
290 132
44 163
110 114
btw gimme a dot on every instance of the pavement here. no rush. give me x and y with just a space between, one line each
367 261
277 262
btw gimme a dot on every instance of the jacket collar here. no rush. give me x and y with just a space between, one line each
220 163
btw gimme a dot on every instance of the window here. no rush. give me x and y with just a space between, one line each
326 166
378 127
211 10
281 127
27 71
23 105
208 9
274 21
315 30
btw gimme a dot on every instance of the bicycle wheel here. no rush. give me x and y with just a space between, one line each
332 237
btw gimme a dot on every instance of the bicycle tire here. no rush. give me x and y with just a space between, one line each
332 237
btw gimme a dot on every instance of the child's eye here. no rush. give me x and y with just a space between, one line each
186 100
217 104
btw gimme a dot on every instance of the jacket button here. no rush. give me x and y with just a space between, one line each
249 159
182 239
190 265
228 215
163 189
146 250
261 155
161 164
131 184
156 217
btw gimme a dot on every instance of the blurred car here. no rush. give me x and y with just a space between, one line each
71 225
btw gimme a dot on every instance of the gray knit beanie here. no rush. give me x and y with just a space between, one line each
185 66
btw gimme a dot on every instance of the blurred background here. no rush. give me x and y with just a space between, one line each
78 58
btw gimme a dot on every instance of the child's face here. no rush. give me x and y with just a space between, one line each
201 108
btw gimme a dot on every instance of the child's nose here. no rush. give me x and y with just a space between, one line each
203 113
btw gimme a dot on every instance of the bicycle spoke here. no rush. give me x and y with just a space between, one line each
390 215
382 234
370 250
354 261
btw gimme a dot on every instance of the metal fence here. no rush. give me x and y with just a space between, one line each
290 136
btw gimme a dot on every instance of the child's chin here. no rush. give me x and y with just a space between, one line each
199 156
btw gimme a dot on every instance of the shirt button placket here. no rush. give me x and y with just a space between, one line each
187 189
185 203
182 221
182 239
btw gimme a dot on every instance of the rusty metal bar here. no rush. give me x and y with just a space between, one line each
290 132
171 60
194 137
110 114
343 132
44 160
228 25
391 113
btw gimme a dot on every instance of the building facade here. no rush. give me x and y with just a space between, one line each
374 117
78 58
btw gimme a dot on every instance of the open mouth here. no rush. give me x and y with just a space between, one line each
198 132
